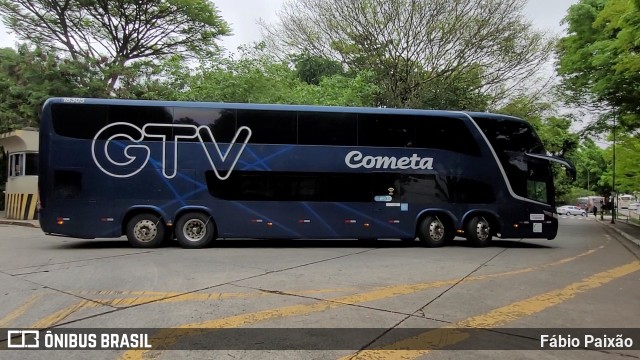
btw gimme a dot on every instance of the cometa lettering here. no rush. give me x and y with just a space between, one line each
355 159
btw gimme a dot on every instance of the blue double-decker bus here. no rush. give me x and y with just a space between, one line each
196 172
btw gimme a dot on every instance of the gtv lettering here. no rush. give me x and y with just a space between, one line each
134 157
356 159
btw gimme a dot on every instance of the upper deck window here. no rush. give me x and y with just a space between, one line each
80 121
445 133
386 130
221 122
326 128
84 121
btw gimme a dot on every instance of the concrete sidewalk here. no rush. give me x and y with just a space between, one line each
628 230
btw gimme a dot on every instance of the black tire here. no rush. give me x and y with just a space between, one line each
478 231
568 213
146 231
433 233
195 230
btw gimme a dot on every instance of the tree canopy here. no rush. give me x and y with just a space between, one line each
627 166
418 48
112 34
599 59
29 76
258 77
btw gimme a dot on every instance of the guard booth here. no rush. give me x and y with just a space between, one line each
21 189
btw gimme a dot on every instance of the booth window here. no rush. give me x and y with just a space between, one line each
23 164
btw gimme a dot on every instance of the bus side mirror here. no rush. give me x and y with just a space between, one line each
568 165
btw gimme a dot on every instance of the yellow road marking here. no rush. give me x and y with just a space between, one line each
6 321
60 315
171 336
147 296
170 297
452 334
175 293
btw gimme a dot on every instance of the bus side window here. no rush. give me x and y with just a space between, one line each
349 187
445 134
326 128
269 126
140 116
79 121
386 130
221 122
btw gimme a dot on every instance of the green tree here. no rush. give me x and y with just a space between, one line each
29 76
117 37
598 60
627 165
460 91
311 69
258 77
591 163
418 49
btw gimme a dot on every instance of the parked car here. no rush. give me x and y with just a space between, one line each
571 210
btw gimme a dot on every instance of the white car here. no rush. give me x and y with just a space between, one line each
571 210
634 206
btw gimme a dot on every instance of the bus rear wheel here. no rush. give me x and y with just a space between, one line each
195 230
478 231
145 231
432 232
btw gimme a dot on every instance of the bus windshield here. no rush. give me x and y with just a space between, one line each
512 140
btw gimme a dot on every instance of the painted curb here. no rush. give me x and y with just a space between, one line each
18 223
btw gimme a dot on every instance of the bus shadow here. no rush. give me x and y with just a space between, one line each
94 244
297 243
353 243
506 244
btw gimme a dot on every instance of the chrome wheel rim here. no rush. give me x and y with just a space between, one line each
145 230
436 230
194 230
483 230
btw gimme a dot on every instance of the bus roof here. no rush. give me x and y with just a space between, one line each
476 114
286 107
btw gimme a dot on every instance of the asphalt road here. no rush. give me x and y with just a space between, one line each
341 299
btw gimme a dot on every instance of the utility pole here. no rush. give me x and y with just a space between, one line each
613 185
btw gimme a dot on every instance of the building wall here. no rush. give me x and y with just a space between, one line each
21 206
21 192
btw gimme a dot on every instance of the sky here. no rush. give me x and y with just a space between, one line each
242 15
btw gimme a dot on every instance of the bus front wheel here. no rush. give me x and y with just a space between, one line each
145 231
195 230
478 231
432 232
